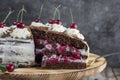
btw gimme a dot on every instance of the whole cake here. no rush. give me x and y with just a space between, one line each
50 46
16 46
58 47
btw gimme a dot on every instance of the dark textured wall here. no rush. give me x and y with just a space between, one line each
98 20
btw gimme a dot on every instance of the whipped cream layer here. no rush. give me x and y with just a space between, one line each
20 33
38 24
13 26
74 33
4 31
55 58
57 27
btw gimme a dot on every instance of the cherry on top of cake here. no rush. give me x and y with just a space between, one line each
20 31
19 23
56 25
4 30
3 24
72 30
59 22
37 22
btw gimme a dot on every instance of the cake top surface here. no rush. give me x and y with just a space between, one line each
13 26
20 33
56 27
4 31
37 24
72 32
14 32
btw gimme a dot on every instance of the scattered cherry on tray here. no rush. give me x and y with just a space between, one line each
10 67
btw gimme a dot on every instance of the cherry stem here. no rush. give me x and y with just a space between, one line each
41 8
56 9
9 13
18 15
58 14
71 15
21 13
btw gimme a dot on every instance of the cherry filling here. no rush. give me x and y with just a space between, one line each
55 52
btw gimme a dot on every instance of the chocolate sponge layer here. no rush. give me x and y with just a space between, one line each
57 37
62 38
63 65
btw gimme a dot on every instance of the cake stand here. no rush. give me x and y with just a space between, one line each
60 74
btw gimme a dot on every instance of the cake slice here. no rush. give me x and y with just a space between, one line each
58 47
17 47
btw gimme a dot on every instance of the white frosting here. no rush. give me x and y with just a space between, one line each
13 26
54 56
48 25
83 52
38 24
57 27
74 33
3 31
20 33
18 53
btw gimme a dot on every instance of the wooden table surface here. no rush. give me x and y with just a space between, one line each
107 74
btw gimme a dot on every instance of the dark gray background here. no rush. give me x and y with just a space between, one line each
98 20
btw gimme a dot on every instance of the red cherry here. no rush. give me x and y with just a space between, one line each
72 58
52 22
14 23
10 67
37 20
37 41
65 58
52 60
55 60
76 55
61 49
20 25
73 25
76 50
58 21
48 46
71 48
2 24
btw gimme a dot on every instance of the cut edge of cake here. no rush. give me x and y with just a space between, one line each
39 32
